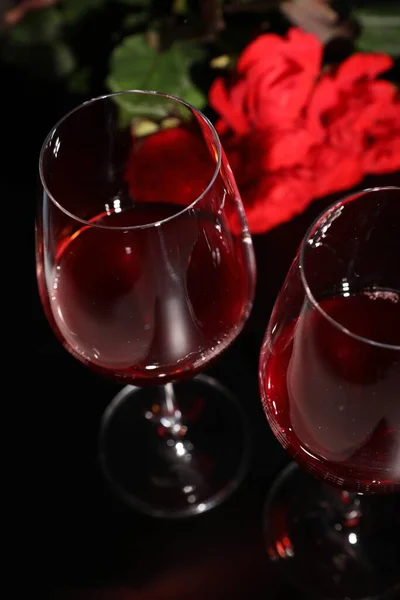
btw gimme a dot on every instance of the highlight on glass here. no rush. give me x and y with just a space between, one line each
146 273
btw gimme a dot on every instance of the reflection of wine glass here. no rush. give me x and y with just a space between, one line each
330 385
146 273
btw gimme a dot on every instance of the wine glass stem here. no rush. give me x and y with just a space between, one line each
168 404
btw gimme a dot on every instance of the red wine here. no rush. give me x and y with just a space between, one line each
152 304
333 399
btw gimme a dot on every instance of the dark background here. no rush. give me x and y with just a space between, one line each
74 539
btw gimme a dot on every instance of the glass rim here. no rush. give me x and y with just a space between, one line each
310 296
103 97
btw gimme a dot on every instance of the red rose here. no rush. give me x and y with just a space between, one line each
347 125
346 106
382 137
286 147
350 117
268 169
273 81
361 67
336 162
173 165
277 197
335 170
268 150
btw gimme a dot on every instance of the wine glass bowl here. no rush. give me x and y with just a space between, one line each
330 363
145 267
109 300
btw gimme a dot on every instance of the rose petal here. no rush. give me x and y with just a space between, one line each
219 100
306 48
361 66
336 171
287 148
264 48
276 199
383 156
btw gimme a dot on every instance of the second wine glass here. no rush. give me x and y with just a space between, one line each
146 273
330 385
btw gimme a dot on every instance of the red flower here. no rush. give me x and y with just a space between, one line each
361 67
273 81
276 198
286 147
382 139
335 170
172 165
345 126
348 106
356 92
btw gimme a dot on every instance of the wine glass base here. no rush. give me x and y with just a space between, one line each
321 556
180 464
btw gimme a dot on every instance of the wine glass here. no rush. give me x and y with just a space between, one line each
146 273
330 385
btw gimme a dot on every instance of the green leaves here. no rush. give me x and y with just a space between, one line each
36 44
136 65
37 27
380 29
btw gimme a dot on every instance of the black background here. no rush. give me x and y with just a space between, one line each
73 538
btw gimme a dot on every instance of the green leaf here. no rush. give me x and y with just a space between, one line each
380 29
63 59
135 65
37 27
77 9
195 97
